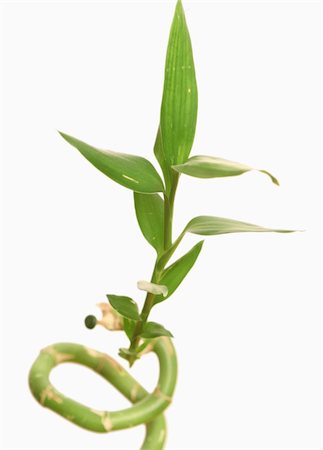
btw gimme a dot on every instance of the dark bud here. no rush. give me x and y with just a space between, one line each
90 322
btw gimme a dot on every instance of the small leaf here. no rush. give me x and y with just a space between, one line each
179 103
124 305
129 327
153 330
133 172
209 225
150 215
175 273
212 167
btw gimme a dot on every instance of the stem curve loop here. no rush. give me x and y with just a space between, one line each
147 407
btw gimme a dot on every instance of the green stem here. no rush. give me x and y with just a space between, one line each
168 222
147 307
147 408
158 268
169 211
149 302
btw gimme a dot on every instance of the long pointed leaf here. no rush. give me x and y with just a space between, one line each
133 172
210 225
175 273
211 167
150 216
179 103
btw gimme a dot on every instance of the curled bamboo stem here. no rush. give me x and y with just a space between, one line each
147 407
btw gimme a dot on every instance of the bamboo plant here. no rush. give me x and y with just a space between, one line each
154 206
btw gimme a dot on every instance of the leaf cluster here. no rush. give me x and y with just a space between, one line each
154 194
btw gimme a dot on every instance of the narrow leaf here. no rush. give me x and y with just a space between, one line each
150 215
133 172
179 103
153 330
209 225
175 273
212 167
124 305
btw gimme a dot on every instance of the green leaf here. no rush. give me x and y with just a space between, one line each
153 330
210 225
129 327
150 215
133 172
173 275
212 167
179 103
159 154
124 305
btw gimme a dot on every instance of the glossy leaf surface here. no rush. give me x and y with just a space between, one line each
132 172
212 167
174 274
150 215
124 305
153 330
179 102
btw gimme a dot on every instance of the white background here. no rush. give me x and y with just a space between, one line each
247 318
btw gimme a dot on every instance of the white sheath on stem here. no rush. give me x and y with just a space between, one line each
153 288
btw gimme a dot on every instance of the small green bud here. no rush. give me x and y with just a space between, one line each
90 322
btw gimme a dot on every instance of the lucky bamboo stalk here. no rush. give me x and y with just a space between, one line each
147 408
154 206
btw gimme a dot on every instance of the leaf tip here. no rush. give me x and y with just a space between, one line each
179 4
66 137
273 179
291 231
62 134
